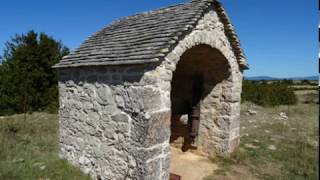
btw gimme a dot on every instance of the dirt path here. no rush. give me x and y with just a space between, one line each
190 166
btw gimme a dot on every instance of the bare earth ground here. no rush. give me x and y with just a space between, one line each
190 166
272 147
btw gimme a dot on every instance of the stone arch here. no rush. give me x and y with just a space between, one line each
197 84
223 140
221 134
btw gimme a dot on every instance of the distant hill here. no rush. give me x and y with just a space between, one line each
269 78
311 78
259 78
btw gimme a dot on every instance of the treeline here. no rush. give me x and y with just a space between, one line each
27 81
269 94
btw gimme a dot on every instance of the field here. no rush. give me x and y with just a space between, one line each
278 143
274 146
29 150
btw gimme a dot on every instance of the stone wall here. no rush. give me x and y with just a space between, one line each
105 126
115 120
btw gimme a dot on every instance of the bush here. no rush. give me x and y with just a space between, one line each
265 94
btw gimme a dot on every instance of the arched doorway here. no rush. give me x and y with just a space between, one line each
197 98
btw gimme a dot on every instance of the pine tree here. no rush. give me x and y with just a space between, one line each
27 81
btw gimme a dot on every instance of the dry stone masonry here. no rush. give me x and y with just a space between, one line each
124 90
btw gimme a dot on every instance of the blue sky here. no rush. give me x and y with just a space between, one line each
279 37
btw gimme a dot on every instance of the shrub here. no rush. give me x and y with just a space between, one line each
265 94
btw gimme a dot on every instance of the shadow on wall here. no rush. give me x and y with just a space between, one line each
109 75
198 72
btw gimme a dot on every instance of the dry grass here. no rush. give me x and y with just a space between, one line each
29 150
272 148
307 96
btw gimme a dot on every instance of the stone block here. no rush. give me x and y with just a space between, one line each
151 99
234 144
234 133
235 121
131 78
116 77
158 130
139 130
222 123
153 170
165 162
133 99
120 118
105 95
104 79
152 152
110 132
92 79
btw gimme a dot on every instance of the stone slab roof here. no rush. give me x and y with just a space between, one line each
147 37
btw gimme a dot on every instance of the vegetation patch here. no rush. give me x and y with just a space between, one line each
268 94
27 81
274 148
29 149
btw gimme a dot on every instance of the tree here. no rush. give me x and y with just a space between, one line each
27 81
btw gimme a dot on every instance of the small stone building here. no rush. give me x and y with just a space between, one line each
148 80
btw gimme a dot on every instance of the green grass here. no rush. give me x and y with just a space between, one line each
296 142
29 150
